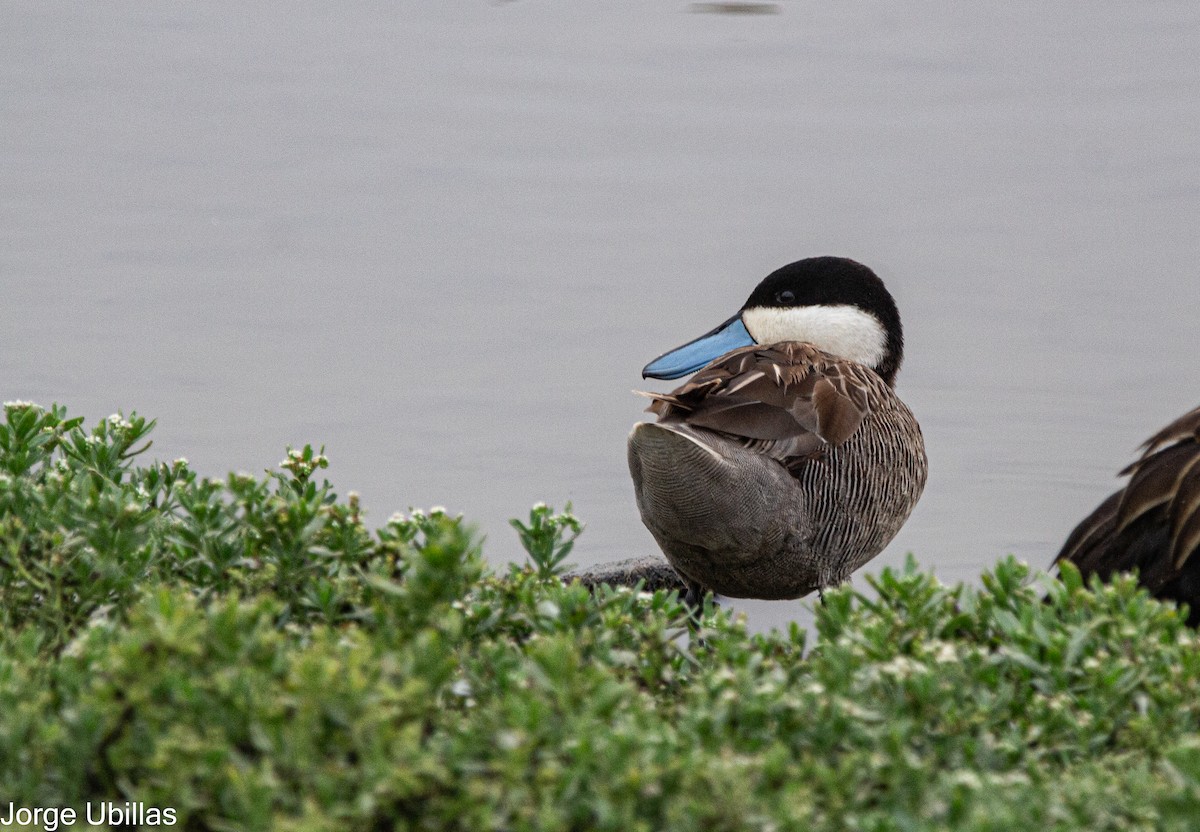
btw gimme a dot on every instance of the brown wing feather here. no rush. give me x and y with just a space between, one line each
1154 481
1184 429
1185 512
1088 543
787 400
1153 524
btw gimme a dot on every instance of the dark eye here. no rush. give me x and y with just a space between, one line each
786 296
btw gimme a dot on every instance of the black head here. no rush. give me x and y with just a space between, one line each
826 282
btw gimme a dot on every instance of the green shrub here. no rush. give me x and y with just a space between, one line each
247 652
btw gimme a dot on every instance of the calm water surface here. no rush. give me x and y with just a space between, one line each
443 238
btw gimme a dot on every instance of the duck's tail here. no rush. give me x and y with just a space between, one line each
717 509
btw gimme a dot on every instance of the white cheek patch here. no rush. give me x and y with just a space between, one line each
844 331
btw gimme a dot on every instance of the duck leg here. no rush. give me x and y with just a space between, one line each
694 600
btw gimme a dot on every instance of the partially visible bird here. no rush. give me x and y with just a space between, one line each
1153 523
788 461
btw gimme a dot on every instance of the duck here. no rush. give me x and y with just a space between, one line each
1152 524
787 461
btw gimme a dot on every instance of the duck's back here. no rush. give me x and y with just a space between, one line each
1152 525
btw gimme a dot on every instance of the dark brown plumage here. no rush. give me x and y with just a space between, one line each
788 401
1152 525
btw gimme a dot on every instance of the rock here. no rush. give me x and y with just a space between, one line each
653 569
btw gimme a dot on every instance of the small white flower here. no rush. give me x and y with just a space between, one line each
241 478
22 405
1011 778
397 519
945 653
901 666
180 462
967 779
116 420
509 740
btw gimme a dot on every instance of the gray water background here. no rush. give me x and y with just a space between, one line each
442 238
